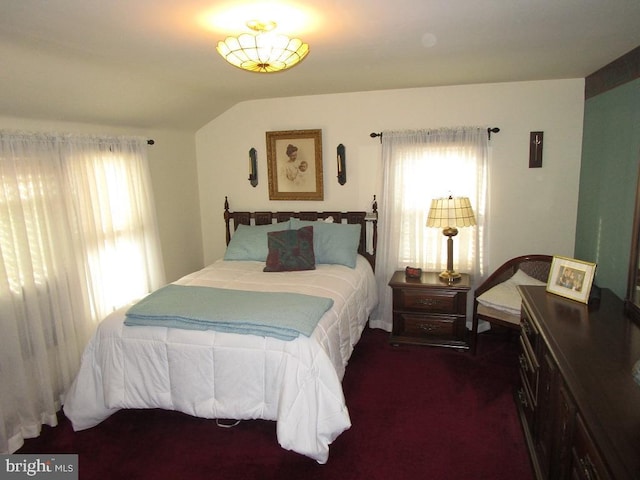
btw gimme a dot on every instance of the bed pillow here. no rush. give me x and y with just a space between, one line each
333 243
290 250
505 296
249 242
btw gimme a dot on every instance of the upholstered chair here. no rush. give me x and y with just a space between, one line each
497 300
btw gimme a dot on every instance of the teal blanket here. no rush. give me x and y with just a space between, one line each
273 314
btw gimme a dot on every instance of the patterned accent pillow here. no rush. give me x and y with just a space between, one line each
290 250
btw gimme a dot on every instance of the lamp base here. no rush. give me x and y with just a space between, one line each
449 276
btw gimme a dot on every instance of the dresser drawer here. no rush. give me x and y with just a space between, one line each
529 367
529 331
525 404
586 462
433 301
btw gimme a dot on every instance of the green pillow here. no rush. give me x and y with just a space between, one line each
249 242
333 243
290 250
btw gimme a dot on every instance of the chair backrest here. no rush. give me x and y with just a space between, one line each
536 266
538 269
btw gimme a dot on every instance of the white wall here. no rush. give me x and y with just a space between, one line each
531 210
172 163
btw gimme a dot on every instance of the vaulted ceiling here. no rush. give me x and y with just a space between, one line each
153 63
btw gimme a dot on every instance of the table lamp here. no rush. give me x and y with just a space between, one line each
448 214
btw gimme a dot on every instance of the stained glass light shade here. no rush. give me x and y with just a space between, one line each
263 52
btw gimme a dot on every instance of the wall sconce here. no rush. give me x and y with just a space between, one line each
253 168
535 149
342 165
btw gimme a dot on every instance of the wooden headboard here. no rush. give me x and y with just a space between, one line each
233 219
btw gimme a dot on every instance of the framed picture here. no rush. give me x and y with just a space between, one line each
571 278
294 163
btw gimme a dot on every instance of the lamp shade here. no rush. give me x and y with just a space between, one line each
451 212
263 52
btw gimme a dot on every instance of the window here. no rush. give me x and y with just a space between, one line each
419 166
114 241
78 238
433 173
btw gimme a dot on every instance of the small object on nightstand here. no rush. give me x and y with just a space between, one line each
413 272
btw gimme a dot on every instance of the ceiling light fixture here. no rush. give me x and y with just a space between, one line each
264 51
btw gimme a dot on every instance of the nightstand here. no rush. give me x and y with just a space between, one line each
428 311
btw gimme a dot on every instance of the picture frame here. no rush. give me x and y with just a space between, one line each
571 278
294 164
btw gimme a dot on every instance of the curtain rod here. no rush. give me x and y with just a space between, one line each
490 130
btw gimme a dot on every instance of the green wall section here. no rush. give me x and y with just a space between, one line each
608 179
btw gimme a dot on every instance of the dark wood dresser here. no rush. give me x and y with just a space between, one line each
428 311
578 402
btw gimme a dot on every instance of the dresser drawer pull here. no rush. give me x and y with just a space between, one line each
427 327
429 302
522 398
588 469
523 362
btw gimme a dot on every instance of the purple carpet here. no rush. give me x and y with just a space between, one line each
416 413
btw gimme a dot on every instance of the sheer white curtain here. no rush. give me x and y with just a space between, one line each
78 238
419 165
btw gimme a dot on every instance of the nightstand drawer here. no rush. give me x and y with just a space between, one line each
413 325
430 301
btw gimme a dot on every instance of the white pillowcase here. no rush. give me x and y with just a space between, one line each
505 296
333 243
250 242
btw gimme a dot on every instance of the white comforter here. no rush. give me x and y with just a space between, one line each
231 376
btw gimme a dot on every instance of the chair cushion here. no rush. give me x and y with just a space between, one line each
505 297
493 313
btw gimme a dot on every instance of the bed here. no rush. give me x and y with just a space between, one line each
211 371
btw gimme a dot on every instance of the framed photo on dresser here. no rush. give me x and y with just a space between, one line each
571 278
